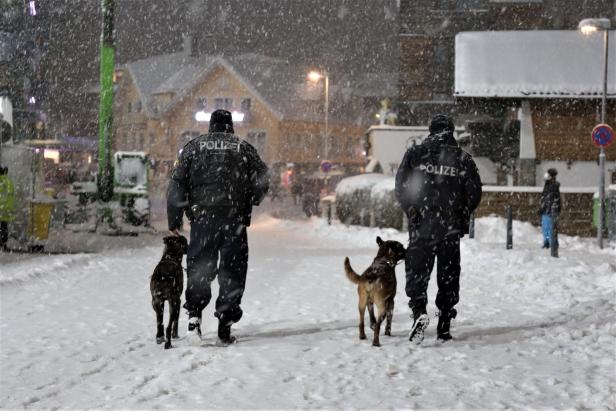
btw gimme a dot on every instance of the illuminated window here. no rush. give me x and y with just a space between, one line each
225 103
201 103
245 105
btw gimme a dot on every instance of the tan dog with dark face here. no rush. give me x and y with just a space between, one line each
377 286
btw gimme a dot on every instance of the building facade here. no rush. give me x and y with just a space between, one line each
165 101
520 134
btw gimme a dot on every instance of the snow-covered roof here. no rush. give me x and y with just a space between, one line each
523 64
152 72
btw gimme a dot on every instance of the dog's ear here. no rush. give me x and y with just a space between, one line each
379 241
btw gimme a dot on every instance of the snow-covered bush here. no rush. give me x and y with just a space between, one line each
384 206
353 198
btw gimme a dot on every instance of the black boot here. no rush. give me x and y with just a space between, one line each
444 320
224 334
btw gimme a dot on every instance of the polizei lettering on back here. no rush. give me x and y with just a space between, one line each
439 169
218 145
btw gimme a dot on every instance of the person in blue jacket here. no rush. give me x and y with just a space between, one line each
550 197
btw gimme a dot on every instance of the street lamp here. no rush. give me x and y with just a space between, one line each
315 76
588 27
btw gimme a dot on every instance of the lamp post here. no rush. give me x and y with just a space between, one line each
315 76
587 27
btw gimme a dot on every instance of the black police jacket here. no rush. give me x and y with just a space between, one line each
438 187
215 171
549 197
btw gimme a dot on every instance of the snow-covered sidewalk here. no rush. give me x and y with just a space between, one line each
77 331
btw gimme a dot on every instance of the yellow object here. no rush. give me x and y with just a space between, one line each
40 214
50 192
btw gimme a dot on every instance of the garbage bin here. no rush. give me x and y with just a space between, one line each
38 224
595 211
611 213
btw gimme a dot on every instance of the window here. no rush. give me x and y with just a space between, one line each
130 107
258 140
223 103
138 106
245 105
201 103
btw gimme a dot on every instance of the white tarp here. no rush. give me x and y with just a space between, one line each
545 64
6 110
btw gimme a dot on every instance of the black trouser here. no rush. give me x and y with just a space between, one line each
420 256
218 247
4 233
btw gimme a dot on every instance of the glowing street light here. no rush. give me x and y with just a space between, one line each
315 76
588 27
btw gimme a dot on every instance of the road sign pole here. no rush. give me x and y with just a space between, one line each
601 197
602 135
602 151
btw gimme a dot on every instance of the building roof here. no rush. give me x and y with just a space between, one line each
524 64
150 73
275 82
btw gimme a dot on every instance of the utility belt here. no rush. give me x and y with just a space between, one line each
196 212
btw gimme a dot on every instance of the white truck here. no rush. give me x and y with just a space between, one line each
130 187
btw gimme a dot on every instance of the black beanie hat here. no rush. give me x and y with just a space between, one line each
221 121
441 122
552 172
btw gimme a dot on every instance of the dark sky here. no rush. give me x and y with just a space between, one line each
347 37
352 35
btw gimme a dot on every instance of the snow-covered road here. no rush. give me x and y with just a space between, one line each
77 331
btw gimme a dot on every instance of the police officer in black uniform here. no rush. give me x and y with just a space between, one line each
438 187
216 182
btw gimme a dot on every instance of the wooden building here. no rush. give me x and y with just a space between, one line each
164 101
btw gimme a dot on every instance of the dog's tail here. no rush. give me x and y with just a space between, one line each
351 275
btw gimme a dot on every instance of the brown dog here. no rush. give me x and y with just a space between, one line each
166 284
377 285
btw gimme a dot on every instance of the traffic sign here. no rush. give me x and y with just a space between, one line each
602 135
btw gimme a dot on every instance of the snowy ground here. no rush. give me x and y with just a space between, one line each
533 332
